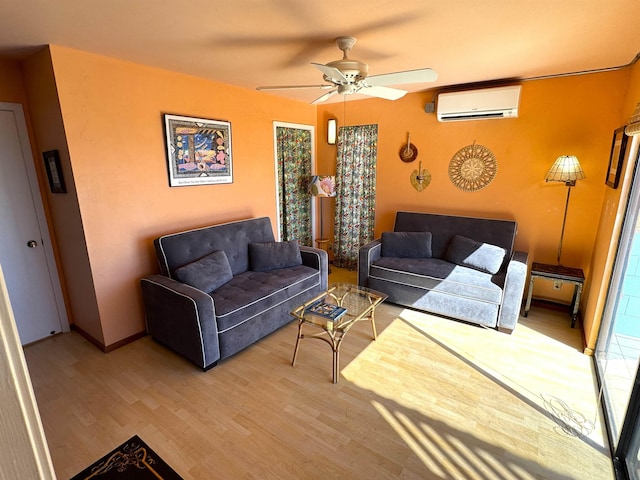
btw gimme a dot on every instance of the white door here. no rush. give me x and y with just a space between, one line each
25 247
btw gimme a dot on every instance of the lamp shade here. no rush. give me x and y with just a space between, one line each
565 169
323 186
634 122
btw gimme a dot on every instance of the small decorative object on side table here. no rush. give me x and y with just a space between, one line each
323 186
574 276
352 304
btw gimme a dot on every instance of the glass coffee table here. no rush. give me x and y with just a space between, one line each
354 304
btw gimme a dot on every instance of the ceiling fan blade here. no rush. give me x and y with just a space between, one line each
291 87
331 72
421 75
324 97
382 92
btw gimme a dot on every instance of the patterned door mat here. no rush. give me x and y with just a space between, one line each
133 460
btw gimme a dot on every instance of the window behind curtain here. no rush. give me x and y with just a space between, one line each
356 196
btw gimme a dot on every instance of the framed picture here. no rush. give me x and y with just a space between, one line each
54 171
616 159
198 151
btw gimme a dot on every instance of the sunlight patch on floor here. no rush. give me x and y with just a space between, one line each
479 382
446 455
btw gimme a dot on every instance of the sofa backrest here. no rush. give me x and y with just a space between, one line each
182 248
443 227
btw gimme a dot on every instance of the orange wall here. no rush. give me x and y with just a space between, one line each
112 113
11 88
563 116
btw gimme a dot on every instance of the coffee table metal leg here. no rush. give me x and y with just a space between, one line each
295 350
373 325
336 340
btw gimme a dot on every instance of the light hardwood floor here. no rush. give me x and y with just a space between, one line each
430 399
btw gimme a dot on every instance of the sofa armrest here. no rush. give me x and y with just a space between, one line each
318 259
181 317
514 284
367 254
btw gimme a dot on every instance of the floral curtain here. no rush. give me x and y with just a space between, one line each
356 196
293 150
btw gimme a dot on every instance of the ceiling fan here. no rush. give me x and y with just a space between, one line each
348 76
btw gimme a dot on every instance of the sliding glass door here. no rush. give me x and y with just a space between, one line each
618 349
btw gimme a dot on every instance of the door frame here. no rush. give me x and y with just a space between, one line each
297 126
43 227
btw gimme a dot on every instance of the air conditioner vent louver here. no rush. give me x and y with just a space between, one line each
485 103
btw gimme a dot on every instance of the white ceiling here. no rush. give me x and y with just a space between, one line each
272 42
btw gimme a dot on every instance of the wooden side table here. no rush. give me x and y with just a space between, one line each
573 276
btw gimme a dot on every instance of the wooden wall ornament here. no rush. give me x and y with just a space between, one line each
472 168
409 152
420 178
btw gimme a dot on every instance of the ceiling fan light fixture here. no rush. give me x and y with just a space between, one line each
353 70
348 89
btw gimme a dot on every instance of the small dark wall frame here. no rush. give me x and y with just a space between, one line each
54 171
616 159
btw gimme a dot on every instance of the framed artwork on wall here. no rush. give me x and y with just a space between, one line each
54 171
198 151
616 158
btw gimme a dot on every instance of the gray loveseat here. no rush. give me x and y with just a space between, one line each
224 287
459 267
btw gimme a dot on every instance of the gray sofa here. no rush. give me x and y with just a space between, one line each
223 287
460 267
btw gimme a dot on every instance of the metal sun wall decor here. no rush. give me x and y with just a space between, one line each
472 168
198 151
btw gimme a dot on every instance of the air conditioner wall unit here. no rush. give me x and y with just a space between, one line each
496 102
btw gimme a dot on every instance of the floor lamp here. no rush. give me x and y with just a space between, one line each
565 169
322 186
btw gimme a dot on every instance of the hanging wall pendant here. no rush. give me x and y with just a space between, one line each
408 152
420 179
472 168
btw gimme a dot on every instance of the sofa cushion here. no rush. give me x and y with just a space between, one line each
178 249
250 293
436 275
266 256
480 256
207 273
406 244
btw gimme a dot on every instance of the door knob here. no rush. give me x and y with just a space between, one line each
32 244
